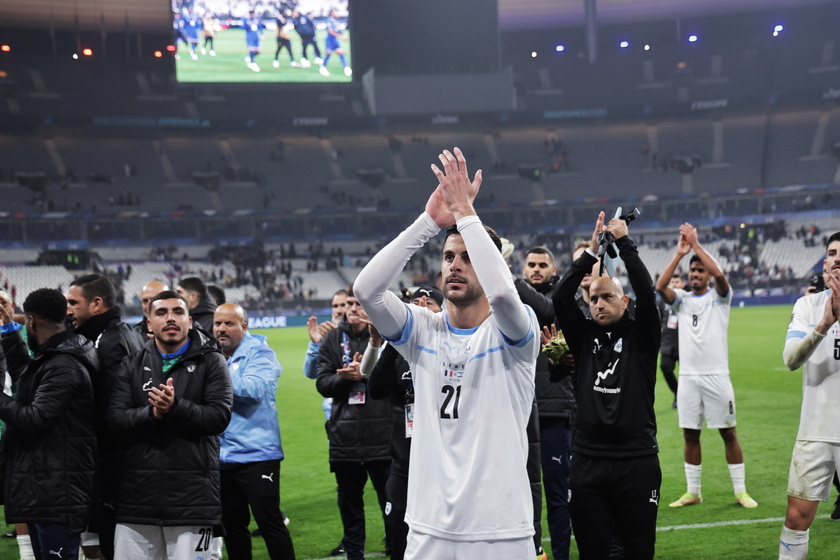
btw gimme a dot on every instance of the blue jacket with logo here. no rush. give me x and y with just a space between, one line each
254 431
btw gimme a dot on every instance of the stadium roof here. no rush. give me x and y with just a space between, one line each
513 14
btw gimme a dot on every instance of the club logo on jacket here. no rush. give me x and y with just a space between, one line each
190 368
147 386
602 375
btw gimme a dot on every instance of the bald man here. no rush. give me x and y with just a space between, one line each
615 473
147 292
251 450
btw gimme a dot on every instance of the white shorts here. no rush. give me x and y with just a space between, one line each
706 396
133 541
420 546
812 468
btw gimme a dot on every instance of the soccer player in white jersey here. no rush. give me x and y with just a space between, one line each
705 389
813 339
473 370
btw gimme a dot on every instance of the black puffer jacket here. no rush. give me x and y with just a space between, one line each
202 314
554 391
171 472
49 445
114 340
358 432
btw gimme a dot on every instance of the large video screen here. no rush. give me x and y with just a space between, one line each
259 41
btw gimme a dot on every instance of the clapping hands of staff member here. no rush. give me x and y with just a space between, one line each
352 371
162 399
455 193
316 331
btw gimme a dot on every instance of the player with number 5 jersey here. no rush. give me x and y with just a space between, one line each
473 369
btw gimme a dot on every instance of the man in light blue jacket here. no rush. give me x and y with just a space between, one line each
251 449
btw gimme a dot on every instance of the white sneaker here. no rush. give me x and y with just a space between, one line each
348 71
253 66
177 56
203 50
323 71
294 64
193 55
304 63
318 61
276 64
212 53
248 60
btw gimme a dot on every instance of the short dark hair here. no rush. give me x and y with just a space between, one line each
341 292
541 251
194 284
349 291
497 241
97 286
168 294
834 237
694 259
47 304
217 293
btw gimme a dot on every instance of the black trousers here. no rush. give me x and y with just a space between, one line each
351 479
667 363
255 486
623 489
397 491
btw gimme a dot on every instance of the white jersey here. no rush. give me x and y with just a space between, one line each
473 395
703 332
820 416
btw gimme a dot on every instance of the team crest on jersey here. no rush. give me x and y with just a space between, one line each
619 345
190 368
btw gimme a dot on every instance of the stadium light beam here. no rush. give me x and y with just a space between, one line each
559 48
777 30
5 48
692 38
158 54
647 47
624 44
87 51
533 54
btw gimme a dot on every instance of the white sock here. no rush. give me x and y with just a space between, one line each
692 477
793 544
739 477
25 547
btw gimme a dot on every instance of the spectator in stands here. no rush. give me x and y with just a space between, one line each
359 427
170 401
147 292
50 442
251 448
194 291
94 314
705 389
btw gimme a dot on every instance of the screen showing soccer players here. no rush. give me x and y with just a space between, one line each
243 41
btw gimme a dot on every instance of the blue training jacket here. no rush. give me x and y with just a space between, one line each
254 431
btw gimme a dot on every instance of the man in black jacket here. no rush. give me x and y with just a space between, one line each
170 402
615 473
49 444
555 402
92 309
360 427
202 307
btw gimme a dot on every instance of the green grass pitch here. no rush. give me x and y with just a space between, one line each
768 400
229 63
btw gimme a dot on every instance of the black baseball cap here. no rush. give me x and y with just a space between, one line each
428 291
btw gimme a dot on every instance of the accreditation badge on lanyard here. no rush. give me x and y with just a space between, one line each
409 407
357 391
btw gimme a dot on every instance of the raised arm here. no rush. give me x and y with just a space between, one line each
667 293
490 268
802 339
721 283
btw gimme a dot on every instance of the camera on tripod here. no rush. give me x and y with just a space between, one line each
606 240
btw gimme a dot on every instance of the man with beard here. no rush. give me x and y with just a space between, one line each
169 403
615 473
359 427
50 442
194 291
473 370
555 403
92 310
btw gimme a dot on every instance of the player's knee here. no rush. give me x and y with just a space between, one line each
728 435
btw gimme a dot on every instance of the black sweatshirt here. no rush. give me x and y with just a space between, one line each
615 370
